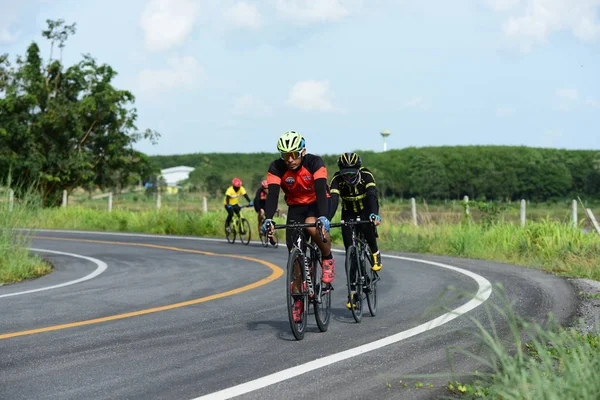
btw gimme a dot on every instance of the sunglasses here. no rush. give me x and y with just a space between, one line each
293 154
349 175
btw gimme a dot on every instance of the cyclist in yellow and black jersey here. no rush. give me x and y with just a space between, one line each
356 186
232 198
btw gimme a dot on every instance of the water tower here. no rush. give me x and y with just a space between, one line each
385 133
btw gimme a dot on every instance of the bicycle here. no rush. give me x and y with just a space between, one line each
264 237
239 227
305 264
361 279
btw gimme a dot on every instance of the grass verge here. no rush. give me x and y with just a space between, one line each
536 362
16 261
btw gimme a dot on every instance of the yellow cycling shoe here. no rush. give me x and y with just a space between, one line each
377 265
349 303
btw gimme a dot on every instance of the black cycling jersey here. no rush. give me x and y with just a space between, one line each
355 199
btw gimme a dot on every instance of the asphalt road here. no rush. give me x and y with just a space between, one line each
158 317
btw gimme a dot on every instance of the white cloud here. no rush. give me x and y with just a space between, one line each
540 18
184 72
8 18
503 112
244 15
250 106
311 95
593 102
416 103
167 23
316 10
568 94
6 36
502 5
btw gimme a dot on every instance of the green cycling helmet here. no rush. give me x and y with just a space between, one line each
291 141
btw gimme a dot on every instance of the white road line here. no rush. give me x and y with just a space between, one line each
101 267
483 293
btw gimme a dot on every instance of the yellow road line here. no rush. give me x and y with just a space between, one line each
276 273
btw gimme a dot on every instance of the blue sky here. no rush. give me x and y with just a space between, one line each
231 76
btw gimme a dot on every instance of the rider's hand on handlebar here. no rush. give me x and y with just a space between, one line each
376 219
267 225
325 222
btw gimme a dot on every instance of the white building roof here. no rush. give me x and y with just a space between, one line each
172 170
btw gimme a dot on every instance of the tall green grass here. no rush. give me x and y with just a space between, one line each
536 361
549 245
16 261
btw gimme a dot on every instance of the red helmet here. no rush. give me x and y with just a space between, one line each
265 184
236 182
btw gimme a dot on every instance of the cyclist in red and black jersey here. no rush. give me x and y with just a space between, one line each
303 179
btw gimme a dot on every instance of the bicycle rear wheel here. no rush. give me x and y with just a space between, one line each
371 283
322 299
354 285
296 260
230 234
264 239
244 231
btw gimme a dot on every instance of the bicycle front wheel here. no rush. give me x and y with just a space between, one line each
354 285
322 299
230 233
244 232
264 239
295 292
275 240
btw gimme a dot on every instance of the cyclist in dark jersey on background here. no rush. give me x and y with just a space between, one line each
260 201
355 184
303 179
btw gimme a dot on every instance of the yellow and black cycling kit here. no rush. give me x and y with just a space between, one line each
356 199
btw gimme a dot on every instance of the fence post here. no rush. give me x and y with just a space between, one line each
466 199
413 209
574 213
204 204
523 211
110 202
158 200
593 219
64 198
11 200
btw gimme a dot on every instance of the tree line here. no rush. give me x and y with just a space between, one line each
480 172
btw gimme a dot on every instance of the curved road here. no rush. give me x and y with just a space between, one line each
155 317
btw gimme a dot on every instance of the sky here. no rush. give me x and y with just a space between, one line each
233 75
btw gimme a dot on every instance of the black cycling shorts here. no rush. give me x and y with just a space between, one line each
299 213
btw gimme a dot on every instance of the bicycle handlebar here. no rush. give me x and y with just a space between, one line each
297 225
350 223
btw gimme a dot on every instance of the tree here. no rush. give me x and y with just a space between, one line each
61 128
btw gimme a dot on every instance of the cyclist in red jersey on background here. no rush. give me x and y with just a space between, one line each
303 179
